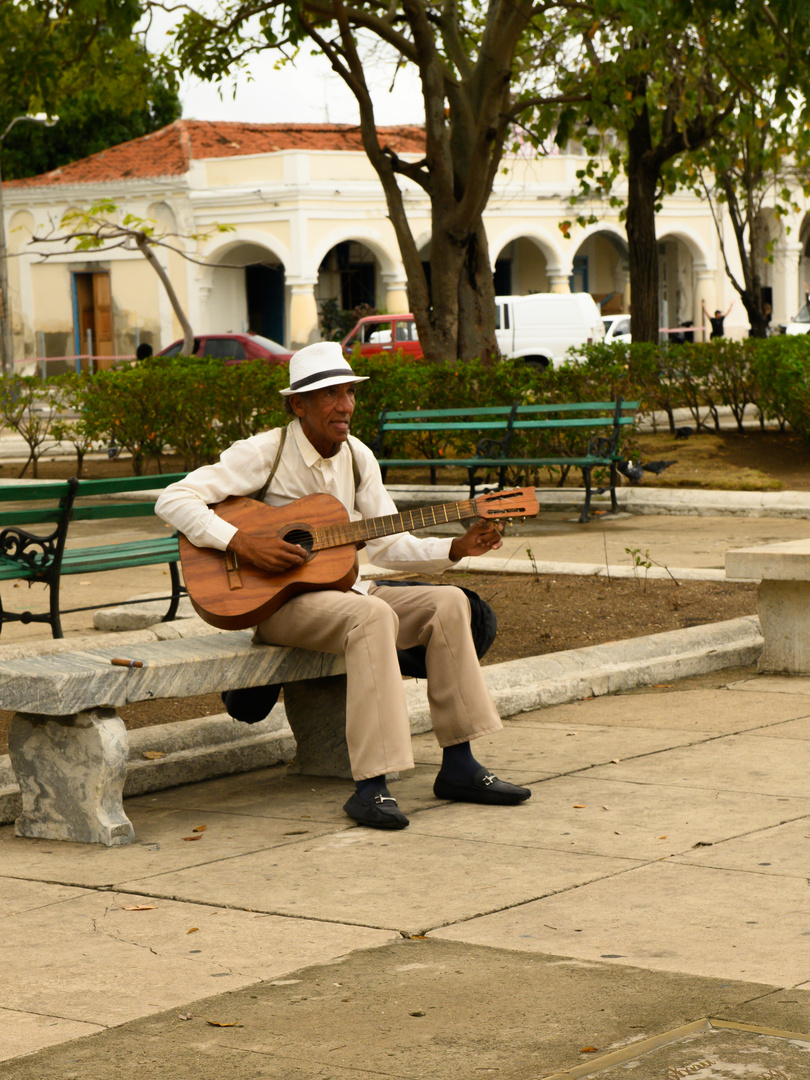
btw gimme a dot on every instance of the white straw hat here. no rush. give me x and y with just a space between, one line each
319 365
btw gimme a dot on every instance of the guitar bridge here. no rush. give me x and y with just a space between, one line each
232 569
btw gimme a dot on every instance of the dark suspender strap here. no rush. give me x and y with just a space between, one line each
263 491
260 494
355 470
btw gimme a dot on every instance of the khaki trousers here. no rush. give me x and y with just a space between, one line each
368 630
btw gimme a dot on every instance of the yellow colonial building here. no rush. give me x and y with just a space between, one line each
308 224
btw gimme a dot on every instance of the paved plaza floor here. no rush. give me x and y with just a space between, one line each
646 915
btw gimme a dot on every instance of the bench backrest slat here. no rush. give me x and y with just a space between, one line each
31 517
33 491
105 510
118 485
393 420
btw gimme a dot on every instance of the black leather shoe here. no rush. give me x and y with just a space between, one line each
379 812
482 788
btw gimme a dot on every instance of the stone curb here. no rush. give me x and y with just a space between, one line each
217 745
637 500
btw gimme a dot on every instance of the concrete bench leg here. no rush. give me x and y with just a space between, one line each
71 772
316 711
784 617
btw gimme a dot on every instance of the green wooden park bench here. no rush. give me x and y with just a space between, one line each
44 556
497 426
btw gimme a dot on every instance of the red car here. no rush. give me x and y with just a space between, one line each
233 348
379 334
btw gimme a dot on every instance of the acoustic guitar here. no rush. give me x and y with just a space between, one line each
234 594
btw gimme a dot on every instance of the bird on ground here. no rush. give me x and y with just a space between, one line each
684 432
634 473
656 467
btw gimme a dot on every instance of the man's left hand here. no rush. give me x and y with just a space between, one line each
479 539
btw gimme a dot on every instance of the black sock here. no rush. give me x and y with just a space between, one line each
367 789
458 763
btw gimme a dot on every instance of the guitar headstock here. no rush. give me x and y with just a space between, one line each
520 502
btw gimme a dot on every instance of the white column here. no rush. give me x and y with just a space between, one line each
303 314
558 282
396 293
788 284
705 293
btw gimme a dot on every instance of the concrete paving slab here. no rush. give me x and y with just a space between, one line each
665 917
744 762
24 1033
781 851
395 881
21 895
527 750
787 1009
775 684
113 964
632 821
278 794
714 711
411 1010
790 729
166 840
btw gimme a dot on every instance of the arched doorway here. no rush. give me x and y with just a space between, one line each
601 268
248 292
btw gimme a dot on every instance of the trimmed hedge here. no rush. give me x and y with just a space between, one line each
198 407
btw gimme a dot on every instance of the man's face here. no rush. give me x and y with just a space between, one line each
325 415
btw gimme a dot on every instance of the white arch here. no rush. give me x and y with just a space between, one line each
693 242
423 240
217 246
601 228
555 259
370 238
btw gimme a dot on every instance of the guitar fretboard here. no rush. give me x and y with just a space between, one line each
372 528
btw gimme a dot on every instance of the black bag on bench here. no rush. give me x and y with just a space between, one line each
253 703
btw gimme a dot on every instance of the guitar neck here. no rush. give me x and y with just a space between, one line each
355 532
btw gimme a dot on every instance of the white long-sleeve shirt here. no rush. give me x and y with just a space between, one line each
243 469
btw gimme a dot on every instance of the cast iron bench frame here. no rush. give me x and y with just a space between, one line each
45 556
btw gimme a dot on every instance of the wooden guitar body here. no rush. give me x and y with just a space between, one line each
233 594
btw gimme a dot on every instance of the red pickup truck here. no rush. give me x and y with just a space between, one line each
378 334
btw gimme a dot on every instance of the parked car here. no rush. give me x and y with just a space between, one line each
541 327
800 323
617 328
376 334
538 328
233 348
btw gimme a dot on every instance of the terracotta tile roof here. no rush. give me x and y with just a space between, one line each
169 152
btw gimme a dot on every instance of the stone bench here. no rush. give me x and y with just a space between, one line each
68 747
783 601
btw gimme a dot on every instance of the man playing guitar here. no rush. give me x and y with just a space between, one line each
367 622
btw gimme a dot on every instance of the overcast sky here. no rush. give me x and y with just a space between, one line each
307 91
310 92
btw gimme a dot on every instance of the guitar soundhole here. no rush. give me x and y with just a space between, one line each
297 535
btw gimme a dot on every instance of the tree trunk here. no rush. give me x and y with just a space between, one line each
642 182
154 262
476 306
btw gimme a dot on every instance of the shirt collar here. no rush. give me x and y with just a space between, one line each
307 450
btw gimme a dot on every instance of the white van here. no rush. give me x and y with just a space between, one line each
541 327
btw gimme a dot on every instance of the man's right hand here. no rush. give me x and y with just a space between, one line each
267 552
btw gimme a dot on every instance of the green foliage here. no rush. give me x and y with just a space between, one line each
336 322
25 407
197 408
138 98
68 395
77 59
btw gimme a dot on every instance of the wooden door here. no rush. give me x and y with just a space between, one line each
102 311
